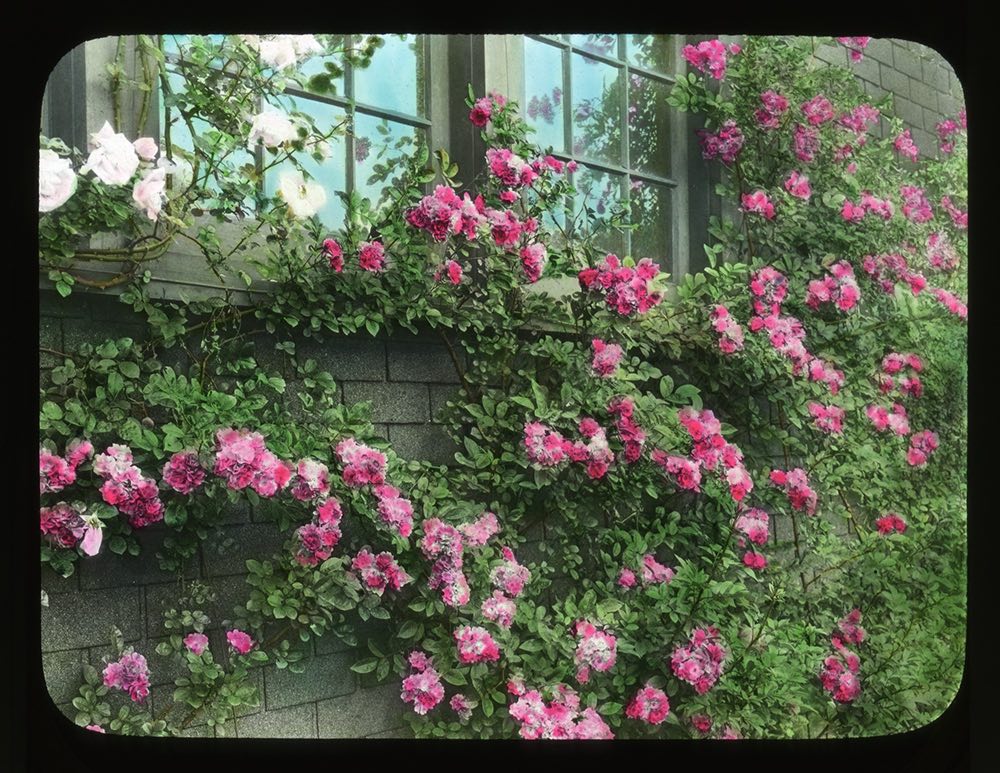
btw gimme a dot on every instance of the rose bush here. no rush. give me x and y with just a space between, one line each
705 461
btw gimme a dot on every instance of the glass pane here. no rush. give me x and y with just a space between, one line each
600 192
543 94
330 173
381 149
394 79
596 111
315 65
650 211
182 143
654 52
605 45
648 125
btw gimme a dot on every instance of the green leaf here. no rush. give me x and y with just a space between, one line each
129 369
52 411
365 666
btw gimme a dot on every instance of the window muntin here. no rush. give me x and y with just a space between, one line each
601 100
385 106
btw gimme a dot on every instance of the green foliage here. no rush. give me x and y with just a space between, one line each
523 356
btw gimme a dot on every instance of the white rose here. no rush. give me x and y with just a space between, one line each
150 192
316 145
146 148
56 180
278 52
271 127
113 159
304 199
306 45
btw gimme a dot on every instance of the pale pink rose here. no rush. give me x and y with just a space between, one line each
56 180
95 728
196 642
146 148
91 543
113 159
240 641
271 127
150 192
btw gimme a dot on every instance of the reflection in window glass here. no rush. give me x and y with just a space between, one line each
392 80
600 192
381 149
604 45
543 85
650 211
654 52
596 110
331 173
648 125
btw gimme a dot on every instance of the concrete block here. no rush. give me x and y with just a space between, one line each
293 722
867 69
227 553
96 332
832 53
330 643
397 732
923 94
391 402
346 359
423 442
324 676
906 60
63 674
363 713
927 142
911 113
50 337
53 582
229 592
74 620
879 49
440 395
108 570
948 106
51 304
895 81
418 361
936 75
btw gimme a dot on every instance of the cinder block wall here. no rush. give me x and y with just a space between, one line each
408 379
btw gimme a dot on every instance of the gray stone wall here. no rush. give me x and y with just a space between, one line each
407 379
924 86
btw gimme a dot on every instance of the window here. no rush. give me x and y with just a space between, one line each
600 100
385 106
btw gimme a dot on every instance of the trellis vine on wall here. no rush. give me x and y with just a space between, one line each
654 442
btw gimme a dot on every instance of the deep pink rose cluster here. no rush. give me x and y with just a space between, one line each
758 203
243 459
891 268
510 576
724 144
948 129
475 645
129 674
827 418
773 107
650 705
363 466
632 436
855 46
652 572
798 186
922 445
509 168
952 303
701 660
894 419
959 218
499 609
916 207
378 572
796 486
839 675
311 480
595 649
711 451
940 253
62 524
606 357
558 719
127 489
423 686
709 56
905 145
859 119
805 143
817 110
396 512
889 523
480 531
183 472
56 472
442 544
839 287
443 213
626 290
318 538
533 258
